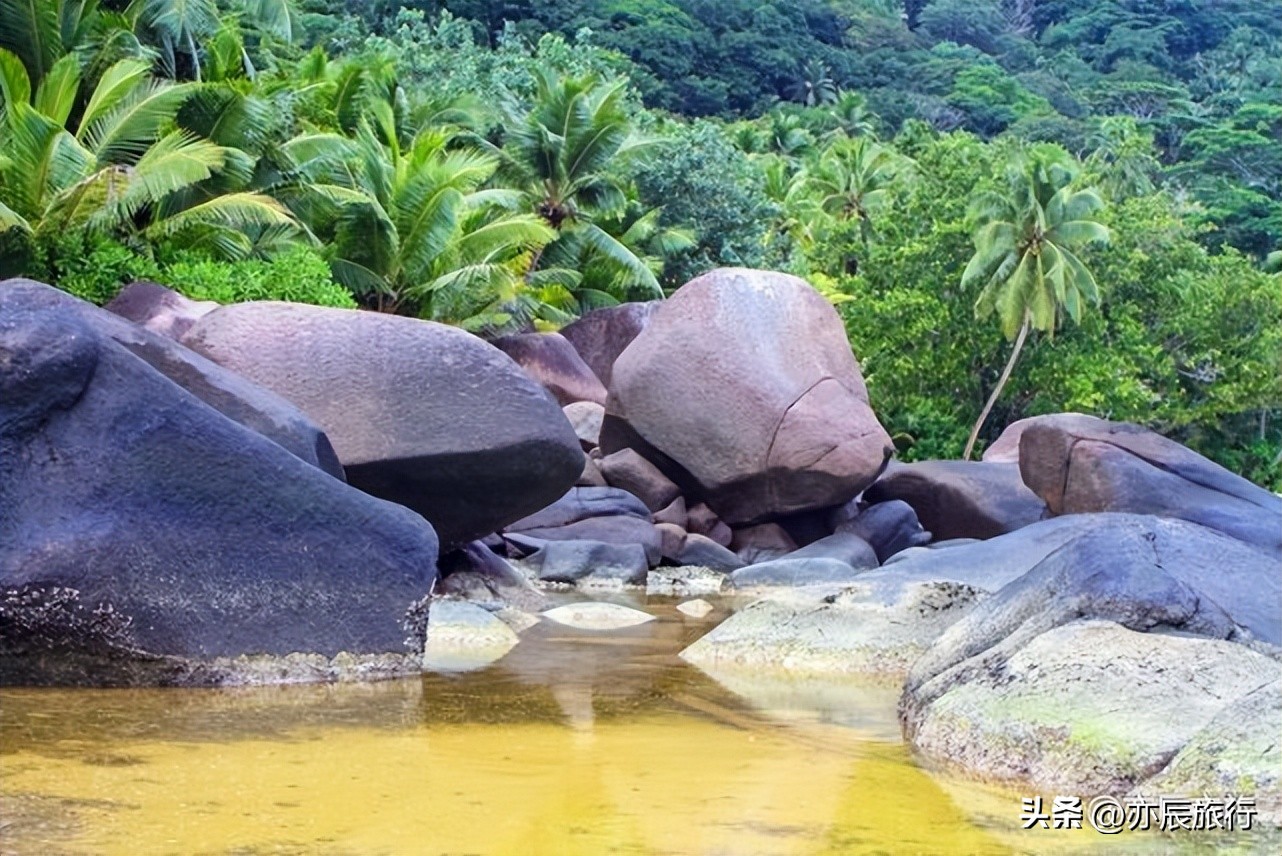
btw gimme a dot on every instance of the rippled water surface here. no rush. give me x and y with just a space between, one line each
575 743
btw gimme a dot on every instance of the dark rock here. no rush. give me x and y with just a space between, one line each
807 527
706 553
627 470
702 520
671 539
591 475
159 309
554 363
745 380
961 499
590 561
1081 465
603 334
420 413
890 527
227 392
147 538
614 529
674 513
585 417
581 503
762 543
476 573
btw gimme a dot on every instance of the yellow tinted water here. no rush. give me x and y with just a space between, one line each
574 743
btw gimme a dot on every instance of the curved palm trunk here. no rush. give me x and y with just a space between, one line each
997 390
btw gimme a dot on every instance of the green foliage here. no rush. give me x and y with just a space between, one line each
514 166
298 275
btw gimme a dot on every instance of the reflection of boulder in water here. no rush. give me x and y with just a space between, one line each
562 674
60 722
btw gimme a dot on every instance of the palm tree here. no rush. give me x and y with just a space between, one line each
816 85
121 166
853 178
415 229
852 116
1025 241
564 152
1123 161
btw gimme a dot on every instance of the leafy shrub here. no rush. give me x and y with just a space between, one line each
299 275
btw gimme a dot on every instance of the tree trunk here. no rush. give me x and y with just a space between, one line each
997 390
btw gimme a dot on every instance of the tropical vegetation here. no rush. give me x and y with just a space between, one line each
1018 206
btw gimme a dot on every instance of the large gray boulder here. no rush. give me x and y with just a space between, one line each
1089 707
1009 668
601 335
590 563
552 361
743 387
147 538
1078 464
961 499
422 414
253 406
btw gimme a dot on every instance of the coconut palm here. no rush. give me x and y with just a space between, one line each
565 153
853 178
816 85
415 230
852 117
118 166
1026 238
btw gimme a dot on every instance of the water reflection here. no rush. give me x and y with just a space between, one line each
574 743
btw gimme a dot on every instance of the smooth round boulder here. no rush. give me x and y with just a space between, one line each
743 380
627 470
146 538
422 414
552 361
585 417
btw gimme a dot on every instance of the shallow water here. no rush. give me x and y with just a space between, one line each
575 743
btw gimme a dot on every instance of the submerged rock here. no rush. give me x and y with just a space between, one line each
744 386
697 608
423 414
875 627
147 538
596 615
462 636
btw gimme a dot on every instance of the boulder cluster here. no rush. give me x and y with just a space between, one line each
269 491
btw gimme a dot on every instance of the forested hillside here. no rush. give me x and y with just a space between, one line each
1091 186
